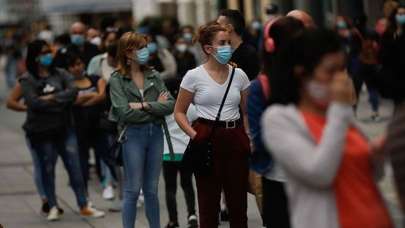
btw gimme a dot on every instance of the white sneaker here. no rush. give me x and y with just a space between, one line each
108 193
141 200
54 214
91 212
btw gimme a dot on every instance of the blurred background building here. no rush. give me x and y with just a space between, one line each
61 13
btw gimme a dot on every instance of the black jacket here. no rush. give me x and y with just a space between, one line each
246 57
392 77
45 118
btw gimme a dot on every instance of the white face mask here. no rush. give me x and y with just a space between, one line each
181 48
319 92
96 41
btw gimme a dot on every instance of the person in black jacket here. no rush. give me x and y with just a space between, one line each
185 61
78 44
392 58
49 93
244 55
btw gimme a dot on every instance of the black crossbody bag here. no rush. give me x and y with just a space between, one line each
198 156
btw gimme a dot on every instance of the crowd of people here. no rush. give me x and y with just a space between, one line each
266 109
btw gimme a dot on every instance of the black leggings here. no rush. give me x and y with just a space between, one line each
170 171
275 204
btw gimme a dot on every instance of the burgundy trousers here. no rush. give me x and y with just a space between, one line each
231 149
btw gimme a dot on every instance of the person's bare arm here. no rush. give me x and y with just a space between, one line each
184 100
82 99
100 96
14 99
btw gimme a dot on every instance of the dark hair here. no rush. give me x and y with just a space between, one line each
187 27
206 33
236 19
392 25
71 59
112 49
33 52
107 33
63 39
282 31
306 51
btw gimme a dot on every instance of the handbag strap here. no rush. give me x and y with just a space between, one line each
168 139
222 104
225 96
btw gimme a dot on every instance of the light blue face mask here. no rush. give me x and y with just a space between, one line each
188 37
341 25
77 39
45 60
152 47
142 56
400 19
223 54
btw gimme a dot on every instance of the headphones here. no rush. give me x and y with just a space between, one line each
268 41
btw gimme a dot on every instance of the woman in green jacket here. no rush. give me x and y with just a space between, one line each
139 103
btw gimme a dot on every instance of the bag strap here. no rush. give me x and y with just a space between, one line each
225 96
168 139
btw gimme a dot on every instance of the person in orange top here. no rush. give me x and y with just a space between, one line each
309 129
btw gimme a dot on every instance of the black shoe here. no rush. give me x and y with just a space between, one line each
224 216
45 208
192 221
172 225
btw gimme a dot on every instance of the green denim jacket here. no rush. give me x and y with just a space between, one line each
123 91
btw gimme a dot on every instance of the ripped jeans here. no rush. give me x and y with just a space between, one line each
47 152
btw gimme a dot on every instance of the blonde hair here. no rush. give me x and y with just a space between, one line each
129 41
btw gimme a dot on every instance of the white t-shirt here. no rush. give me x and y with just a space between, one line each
208 93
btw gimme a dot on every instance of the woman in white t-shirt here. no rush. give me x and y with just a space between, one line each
205 87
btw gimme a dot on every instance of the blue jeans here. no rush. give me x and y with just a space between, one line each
47 152
373 98
37 171
142 155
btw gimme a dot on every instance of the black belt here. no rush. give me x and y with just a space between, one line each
222 124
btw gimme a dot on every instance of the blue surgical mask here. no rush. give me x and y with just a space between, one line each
142 56
223 54
256 25
188 37
400 19
152 47
46 59
77 39
341 25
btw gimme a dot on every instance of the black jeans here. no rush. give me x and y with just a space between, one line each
367 74
275 204
170 171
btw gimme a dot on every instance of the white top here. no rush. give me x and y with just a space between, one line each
141 91
208 93
178 137
310 168
106 69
